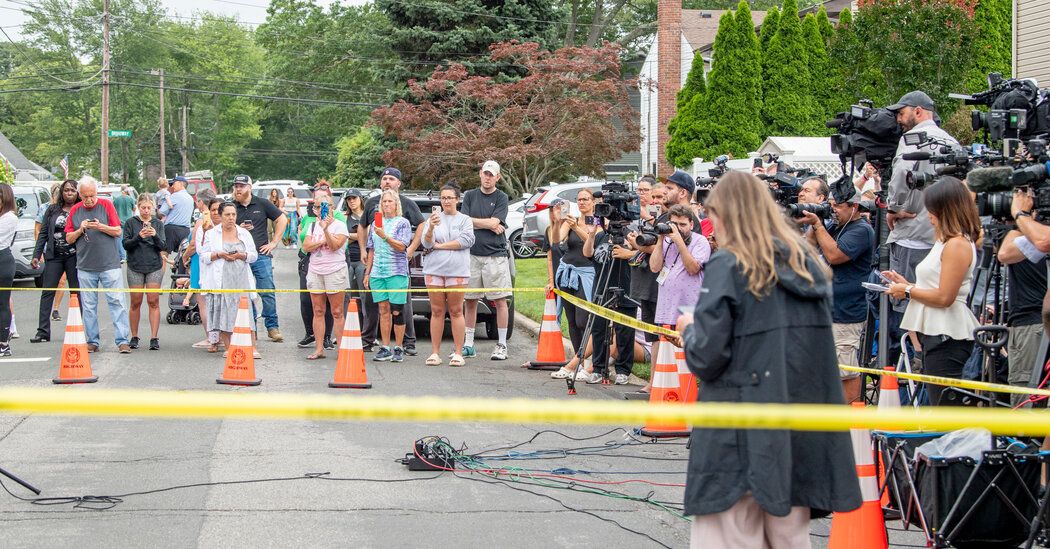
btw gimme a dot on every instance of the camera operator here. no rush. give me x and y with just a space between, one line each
1026 283
603 251
911 234
1037 234
846 246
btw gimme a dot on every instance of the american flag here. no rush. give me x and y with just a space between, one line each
64 164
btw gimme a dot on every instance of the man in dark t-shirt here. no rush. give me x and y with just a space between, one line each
253 214
1025 285
846 246
487 207
389 179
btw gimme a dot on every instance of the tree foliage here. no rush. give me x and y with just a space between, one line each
360 158
681 146
822 80
824 24
788 106
991 43
555 122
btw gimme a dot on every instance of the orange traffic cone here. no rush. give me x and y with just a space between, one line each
862 528
240 356
889 398
350 372
667 388
75 364
889 393
686 379
550 354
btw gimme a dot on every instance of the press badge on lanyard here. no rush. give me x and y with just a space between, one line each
663 275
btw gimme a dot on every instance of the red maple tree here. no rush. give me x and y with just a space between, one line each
567 115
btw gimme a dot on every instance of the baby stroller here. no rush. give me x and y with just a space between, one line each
179 311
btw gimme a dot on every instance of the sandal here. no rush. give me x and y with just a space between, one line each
213 348
434 360
316 356
457 360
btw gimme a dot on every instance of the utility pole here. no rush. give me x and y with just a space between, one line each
185 141
105 91
163 169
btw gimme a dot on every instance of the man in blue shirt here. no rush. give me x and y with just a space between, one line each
847 246
177 211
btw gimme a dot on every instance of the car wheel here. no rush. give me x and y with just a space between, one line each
522 248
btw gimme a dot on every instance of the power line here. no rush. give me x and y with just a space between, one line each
73 88
253 80
256 96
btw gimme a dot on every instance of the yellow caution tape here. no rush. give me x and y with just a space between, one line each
952 382
615 316
798 417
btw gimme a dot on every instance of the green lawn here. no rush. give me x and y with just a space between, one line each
532 273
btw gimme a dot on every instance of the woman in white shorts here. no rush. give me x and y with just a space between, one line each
327 276
447 238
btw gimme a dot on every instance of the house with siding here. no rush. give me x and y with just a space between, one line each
1031 38
24 169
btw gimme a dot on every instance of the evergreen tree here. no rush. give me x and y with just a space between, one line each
681 146
991 46
827 30
822 80
767 32
727 113
843 51
788 107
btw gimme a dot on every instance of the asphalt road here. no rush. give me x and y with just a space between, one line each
379 503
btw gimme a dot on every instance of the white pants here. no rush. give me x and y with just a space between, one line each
746 526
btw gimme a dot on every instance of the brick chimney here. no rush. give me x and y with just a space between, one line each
668 75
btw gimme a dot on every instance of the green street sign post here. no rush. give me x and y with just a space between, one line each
120 133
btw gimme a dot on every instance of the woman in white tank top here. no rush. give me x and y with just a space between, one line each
938 311
290 206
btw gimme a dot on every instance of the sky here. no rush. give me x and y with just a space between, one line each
248 11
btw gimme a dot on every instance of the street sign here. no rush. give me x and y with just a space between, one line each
120 133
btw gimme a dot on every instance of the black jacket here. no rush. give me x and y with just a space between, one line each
143 253
778 349
45 239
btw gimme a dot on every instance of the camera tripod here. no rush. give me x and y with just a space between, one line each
609 297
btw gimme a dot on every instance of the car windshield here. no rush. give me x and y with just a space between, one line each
32 204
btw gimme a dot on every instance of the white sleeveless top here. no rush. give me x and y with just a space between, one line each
955 321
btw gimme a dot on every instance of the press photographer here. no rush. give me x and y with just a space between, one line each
1026 286
847 247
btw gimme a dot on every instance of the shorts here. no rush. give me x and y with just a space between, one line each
142 279
445 281
489 272
397 282
847 345
331 283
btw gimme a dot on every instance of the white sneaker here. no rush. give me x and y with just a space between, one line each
621 379
500 352
594 378
583 375
561 373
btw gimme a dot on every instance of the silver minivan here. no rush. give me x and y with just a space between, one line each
537 219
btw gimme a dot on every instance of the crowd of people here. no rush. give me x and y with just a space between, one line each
361 252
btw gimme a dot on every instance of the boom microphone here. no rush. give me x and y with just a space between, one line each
917 155
984 180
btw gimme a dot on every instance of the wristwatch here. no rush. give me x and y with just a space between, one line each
1022 213
907 289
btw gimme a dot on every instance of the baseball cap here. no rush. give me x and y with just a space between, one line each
242 180
179 178
354 192
391 171
490 166
914 99
683 180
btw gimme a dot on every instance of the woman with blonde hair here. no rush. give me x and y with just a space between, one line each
761 332
937 309
386 273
